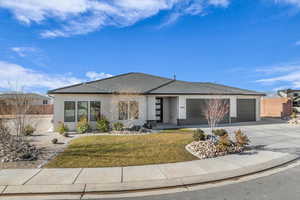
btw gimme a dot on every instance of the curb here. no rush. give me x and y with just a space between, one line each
140 186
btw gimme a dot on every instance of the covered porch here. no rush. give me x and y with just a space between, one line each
163 110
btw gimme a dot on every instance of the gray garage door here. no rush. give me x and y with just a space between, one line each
194 111
246 110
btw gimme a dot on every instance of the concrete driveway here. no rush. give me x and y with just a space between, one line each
270 134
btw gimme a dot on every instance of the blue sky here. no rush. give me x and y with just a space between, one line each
253 44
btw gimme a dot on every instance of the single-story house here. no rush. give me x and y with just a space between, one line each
294 96
34 98
139 98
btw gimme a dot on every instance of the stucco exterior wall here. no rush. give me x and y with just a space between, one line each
233 103
174 109
109 107
151 107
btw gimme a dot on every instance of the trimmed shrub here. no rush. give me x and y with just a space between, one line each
241 139
83 125
118 126
199 135
54 141
219 132
102 124
225 140
28 130
62 128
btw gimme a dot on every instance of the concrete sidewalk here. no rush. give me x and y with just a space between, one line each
116 179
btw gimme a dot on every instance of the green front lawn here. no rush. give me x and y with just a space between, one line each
112 151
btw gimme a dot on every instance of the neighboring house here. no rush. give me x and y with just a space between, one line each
40 104
294 95
139 98
35 99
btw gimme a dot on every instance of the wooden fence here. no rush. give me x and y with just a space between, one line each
34 109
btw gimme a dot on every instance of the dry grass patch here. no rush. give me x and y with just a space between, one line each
112 151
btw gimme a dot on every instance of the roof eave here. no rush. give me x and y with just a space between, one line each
141 93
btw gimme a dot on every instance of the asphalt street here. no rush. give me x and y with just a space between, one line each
282 186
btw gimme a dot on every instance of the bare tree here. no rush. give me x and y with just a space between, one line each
18 106
215 111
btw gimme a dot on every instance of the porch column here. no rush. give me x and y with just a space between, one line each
258 107
181 107
151 108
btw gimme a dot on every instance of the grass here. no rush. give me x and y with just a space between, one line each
112 151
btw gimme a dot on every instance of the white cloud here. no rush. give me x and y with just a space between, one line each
77 17
279 69
287 74
22 51
13 75
94 75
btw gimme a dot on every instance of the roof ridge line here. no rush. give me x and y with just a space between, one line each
162 85
50 91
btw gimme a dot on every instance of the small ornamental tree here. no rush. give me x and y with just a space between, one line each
215 111
18 105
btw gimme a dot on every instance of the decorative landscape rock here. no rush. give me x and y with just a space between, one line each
16 148
209 149
212 146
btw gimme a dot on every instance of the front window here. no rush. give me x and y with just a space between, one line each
45 102
128 110
134 110
123 110
82 109
95 110
69 111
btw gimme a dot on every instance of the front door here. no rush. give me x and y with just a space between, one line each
159 110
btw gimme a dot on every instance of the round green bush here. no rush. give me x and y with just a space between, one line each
28 130
62 128
199 135
219 132
118 126
83 125
102 125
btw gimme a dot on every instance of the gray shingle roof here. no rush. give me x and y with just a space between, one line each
9 95
183 87
124 83
148 84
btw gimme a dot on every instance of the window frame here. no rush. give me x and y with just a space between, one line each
87 110
125 117
128 111
90 114
74 112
